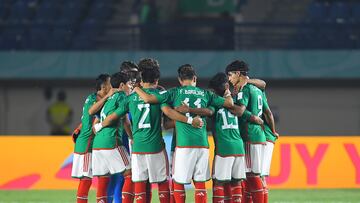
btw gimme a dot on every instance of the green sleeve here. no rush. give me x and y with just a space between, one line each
164 104
165 96
123 108
265 103
243 96
215 100
211 108
246 115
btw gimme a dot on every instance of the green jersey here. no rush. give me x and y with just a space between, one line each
228 141
110 137
146 128
187 135
252 98
268 132
84 141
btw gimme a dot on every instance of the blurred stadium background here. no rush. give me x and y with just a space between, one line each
308 52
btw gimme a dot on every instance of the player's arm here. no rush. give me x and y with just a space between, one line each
184 108
268 115
112 118
269 118
99 104
127 126
240 111
229 103
176 116
148 98
261 84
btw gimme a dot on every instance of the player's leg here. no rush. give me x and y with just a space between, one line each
101 192
123 164
221 175
82 169
119 178
111 187
184 164
140 176
238 173
228 194
172 199
218 192
148 192
83 190
158 168
115 188
201 174
268 151
101 170
254 179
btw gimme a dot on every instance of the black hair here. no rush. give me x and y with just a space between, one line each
101 79
150 75
128 66
237 66
131 69
186 72
218 82
118 78
148 63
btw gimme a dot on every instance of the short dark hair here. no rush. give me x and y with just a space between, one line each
118 78
186 72
150 75
217 83
237 66
131 69
148 63
128 66
101 79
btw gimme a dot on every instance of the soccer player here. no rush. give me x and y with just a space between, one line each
109 156
149 158
117 180
253 134
81 167
271 137
192 147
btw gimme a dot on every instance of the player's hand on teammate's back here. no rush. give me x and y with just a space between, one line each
197 122
184 108
276 135
257 120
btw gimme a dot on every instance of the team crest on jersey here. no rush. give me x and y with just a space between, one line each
239 95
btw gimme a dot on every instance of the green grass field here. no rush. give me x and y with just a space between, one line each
279 196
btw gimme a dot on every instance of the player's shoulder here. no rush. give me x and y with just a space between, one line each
253 88
90 98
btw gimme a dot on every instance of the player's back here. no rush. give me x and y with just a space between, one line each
109 136
228 141
252 98
83 141
194 97
146 128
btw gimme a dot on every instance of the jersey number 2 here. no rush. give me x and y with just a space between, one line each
145 114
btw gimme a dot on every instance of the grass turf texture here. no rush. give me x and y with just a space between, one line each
276 196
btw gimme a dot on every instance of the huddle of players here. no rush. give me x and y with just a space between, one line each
105 155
